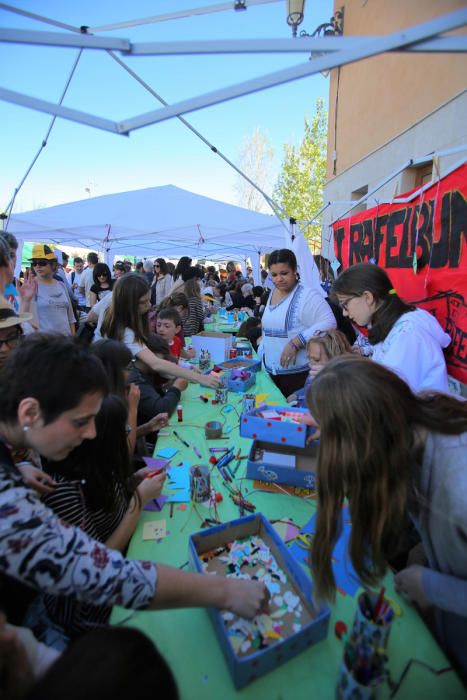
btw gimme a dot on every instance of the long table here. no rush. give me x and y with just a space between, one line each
186 637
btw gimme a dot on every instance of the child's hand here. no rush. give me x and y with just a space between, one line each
151 487
190 352
409 583
158 422
37 479
314 369
211 380
133 395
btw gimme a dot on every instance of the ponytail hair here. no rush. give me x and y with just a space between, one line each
366 277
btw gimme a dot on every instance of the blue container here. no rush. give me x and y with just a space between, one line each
283 433
242 385
246 669
241 363
302 475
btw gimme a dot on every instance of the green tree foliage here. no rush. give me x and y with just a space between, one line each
299 187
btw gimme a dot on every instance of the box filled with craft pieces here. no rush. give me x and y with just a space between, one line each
279 464
251 548
278 424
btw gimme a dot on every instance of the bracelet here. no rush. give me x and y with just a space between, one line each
292 344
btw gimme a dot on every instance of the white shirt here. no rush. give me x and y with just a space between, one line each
413 349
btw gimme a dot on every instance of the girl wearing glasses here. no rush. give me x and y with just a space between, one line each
52 304
103 283
407 340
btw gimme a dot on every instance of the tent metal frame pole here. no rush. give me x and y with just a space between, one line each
322 45
365 49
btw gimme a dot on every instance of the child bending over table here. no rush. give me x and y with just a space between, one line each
393 453
321 348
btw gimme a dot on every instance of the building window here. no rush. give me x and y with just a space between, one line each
416 176
355 196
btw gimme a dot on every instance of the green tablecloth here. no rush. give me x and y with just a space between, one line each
186 637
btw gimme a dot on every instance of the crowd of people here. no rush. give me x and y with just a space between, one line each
78 413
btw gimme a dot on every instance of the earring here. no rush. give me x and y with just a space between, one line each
25 428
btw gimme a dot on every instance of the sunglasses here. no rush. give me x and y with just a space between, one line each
10 341
103 274
156 265
40 263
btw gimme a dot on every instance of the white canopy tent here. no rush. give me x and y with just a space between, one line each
160 221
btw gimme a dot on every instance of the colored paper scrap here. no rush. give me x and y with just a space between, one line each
167 452
180 497
156 504
154 463
154 530
344 573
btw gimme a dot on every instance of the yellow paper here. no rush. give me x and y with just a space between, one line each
155 530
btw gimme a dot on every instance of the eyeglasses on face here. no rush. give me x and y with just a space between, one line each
40 263
11 341
345 304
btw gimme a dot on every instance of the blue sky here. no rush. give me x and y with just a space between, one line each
79 157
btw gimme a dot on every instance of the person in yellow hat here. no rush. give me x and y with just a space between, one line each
51 305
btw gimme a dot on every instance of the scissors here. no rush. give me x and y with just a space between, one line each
303 540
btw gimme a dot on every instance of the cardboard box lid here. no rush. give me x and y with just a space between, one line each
211 334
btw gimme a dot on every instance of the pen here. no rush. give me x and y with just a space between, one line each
151 474
181 439
196 451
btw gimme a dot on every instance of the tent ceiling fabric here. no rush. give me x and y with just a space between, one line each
158 221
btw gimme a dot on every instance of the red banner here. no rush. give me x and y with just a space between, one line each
434 224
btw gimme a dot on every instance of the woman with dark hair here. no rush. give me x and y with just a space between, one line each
127 320
162 282
36 412
182 266
114 663
407 340
94 490
391 453
194 321
118 361
103 283
293 314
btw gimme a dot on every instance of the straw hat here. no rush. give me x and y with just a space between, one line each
9 317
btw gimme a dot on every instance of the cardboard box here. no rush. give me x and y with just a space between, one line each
217 344
271 462
250 365
253 425
245 669
240 385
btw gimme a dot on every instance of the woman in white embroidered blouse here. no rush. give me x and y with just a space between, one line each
293 314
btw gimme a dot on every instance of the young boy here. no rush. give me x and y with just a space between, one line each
168 325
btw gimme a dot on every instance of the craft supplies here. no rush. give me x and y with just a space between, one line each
200 483
248 403
363 670
221 396
204 398
187 444
213 430
179 413
250 548
276 424
204 360
280 464
197 452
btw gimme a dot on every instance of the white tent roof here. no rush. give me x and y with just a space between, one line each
159 221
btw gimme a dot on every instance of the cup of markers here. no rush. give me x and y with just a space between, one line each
362 672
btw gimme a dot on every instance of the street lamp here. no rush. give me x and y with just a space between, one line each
295 9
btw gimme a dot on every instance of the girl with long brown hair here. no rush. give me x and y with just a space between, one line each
392 454
127 320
